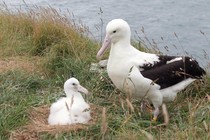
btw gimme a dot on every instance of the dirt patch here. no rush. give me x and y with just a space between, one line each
38 123
30 65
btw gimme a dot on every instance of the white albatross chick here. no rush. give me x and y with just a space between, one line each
156 77
71 109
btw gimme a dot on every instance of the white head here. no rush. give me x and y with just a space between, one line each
72 86
117 30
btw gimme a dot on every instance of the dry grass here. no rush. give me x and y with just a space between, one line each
22 63
38 123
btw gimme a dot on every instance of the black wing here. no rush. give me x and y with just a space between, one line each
168 74
163 59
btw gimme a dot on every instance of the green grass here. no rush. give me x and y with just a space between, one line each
63 49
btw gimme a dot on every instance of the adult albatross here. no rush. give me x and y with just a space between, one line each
155 77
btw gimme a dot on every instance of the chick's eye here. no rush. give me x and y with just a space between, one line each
73 84
114 31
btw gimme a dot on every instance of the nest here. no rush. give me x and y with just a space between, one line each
38 123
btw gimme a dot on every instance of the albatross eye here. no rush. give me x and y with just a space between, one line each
114 31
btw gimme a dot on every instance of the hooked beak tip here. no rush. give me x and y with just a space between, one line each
98 56
83 90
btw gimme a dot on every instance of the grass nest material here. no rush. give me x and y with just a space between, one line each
38 123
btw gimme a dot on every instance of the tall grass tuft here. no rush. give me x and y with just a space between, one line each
45 32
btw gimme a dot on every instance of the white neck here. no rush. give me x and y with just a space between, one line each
73 93
120 49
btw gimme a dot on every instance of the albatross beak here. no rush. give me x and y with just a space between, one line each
82 89
105 46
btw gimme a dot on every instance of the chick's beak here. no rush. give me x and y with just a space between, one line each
82 90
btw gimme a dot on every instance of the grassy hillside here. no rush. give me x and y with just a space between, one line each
40 49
